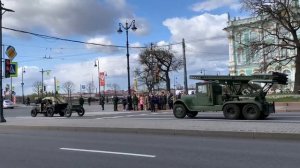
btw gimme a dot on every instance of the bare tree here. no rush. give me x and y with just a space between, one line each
90 87
158 63
69 87
278 22
145 77
37 87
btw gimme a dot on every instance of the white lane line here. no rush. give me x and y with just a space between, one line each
111 117
108 152
152 118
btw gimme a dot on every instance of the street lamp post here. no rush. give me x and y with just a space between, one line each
3 10
202 71
22 84
97 65
126 28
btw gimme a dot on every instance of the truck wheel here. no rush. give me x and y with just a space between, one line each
192 114
68 112
231 111
33 112
251 112
80 112
50 112
179 111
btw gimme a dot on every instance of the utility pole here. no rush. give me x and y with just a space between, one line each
2 119
152 67
11 89
184 67
54 86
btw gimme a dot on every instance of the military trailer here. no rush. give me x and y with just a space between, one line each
55 105
239 97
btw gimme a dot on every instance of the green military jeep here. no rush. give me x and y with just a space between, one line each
55 105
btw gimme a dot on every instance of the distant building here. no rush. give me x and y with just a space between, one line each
243 61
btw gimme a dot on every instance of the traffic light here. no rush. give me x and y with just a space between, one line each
7 68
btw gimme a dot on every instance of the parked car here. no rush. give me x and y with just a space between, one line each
8 104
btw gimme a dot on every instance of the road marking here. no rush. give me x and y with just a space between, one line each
110 117
152 118
108 152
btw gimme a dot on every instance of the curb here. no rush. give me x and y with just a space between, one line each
199 133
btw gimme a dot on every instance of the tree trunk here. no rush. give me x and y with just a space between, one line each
297 74
168 84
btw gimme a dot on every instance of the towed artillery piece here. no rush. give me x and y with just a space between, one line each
239 97
56 105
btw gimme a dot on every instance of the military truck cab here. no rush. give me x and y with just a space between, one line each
208 97
236 96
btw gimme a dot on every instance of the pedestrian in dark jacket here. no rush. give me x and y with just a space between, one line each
170 100
152 102
102 101
129 102
115 101
89 100
135 101
124 102
81 101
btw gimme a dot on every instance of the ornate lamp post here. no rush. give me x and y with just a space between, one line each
126 28
97 65
22 84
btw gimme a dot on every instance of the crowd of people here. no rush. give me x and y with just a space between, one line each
152 102
148 102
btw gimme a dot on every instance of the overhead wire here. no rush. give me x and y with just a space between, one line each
108 45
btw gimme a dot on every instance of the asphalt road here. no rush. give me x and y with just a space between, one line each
94 112
30 149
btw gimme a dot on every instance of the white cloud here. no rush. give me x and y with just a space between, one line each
210 5
67 17
206 41
101 40
79 73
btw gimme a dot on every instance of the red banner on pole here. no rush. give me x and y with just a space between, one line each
102 78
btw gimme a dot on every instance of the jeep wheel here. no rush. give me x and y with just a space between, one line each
68 112
80 112
33 112
50 112
192 114
251 112
231 111
61 113
179 111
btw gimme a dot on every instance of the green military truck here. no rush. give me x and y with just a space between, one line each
239 97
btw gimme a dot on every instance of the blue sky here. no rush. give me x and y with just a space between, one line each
200 22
